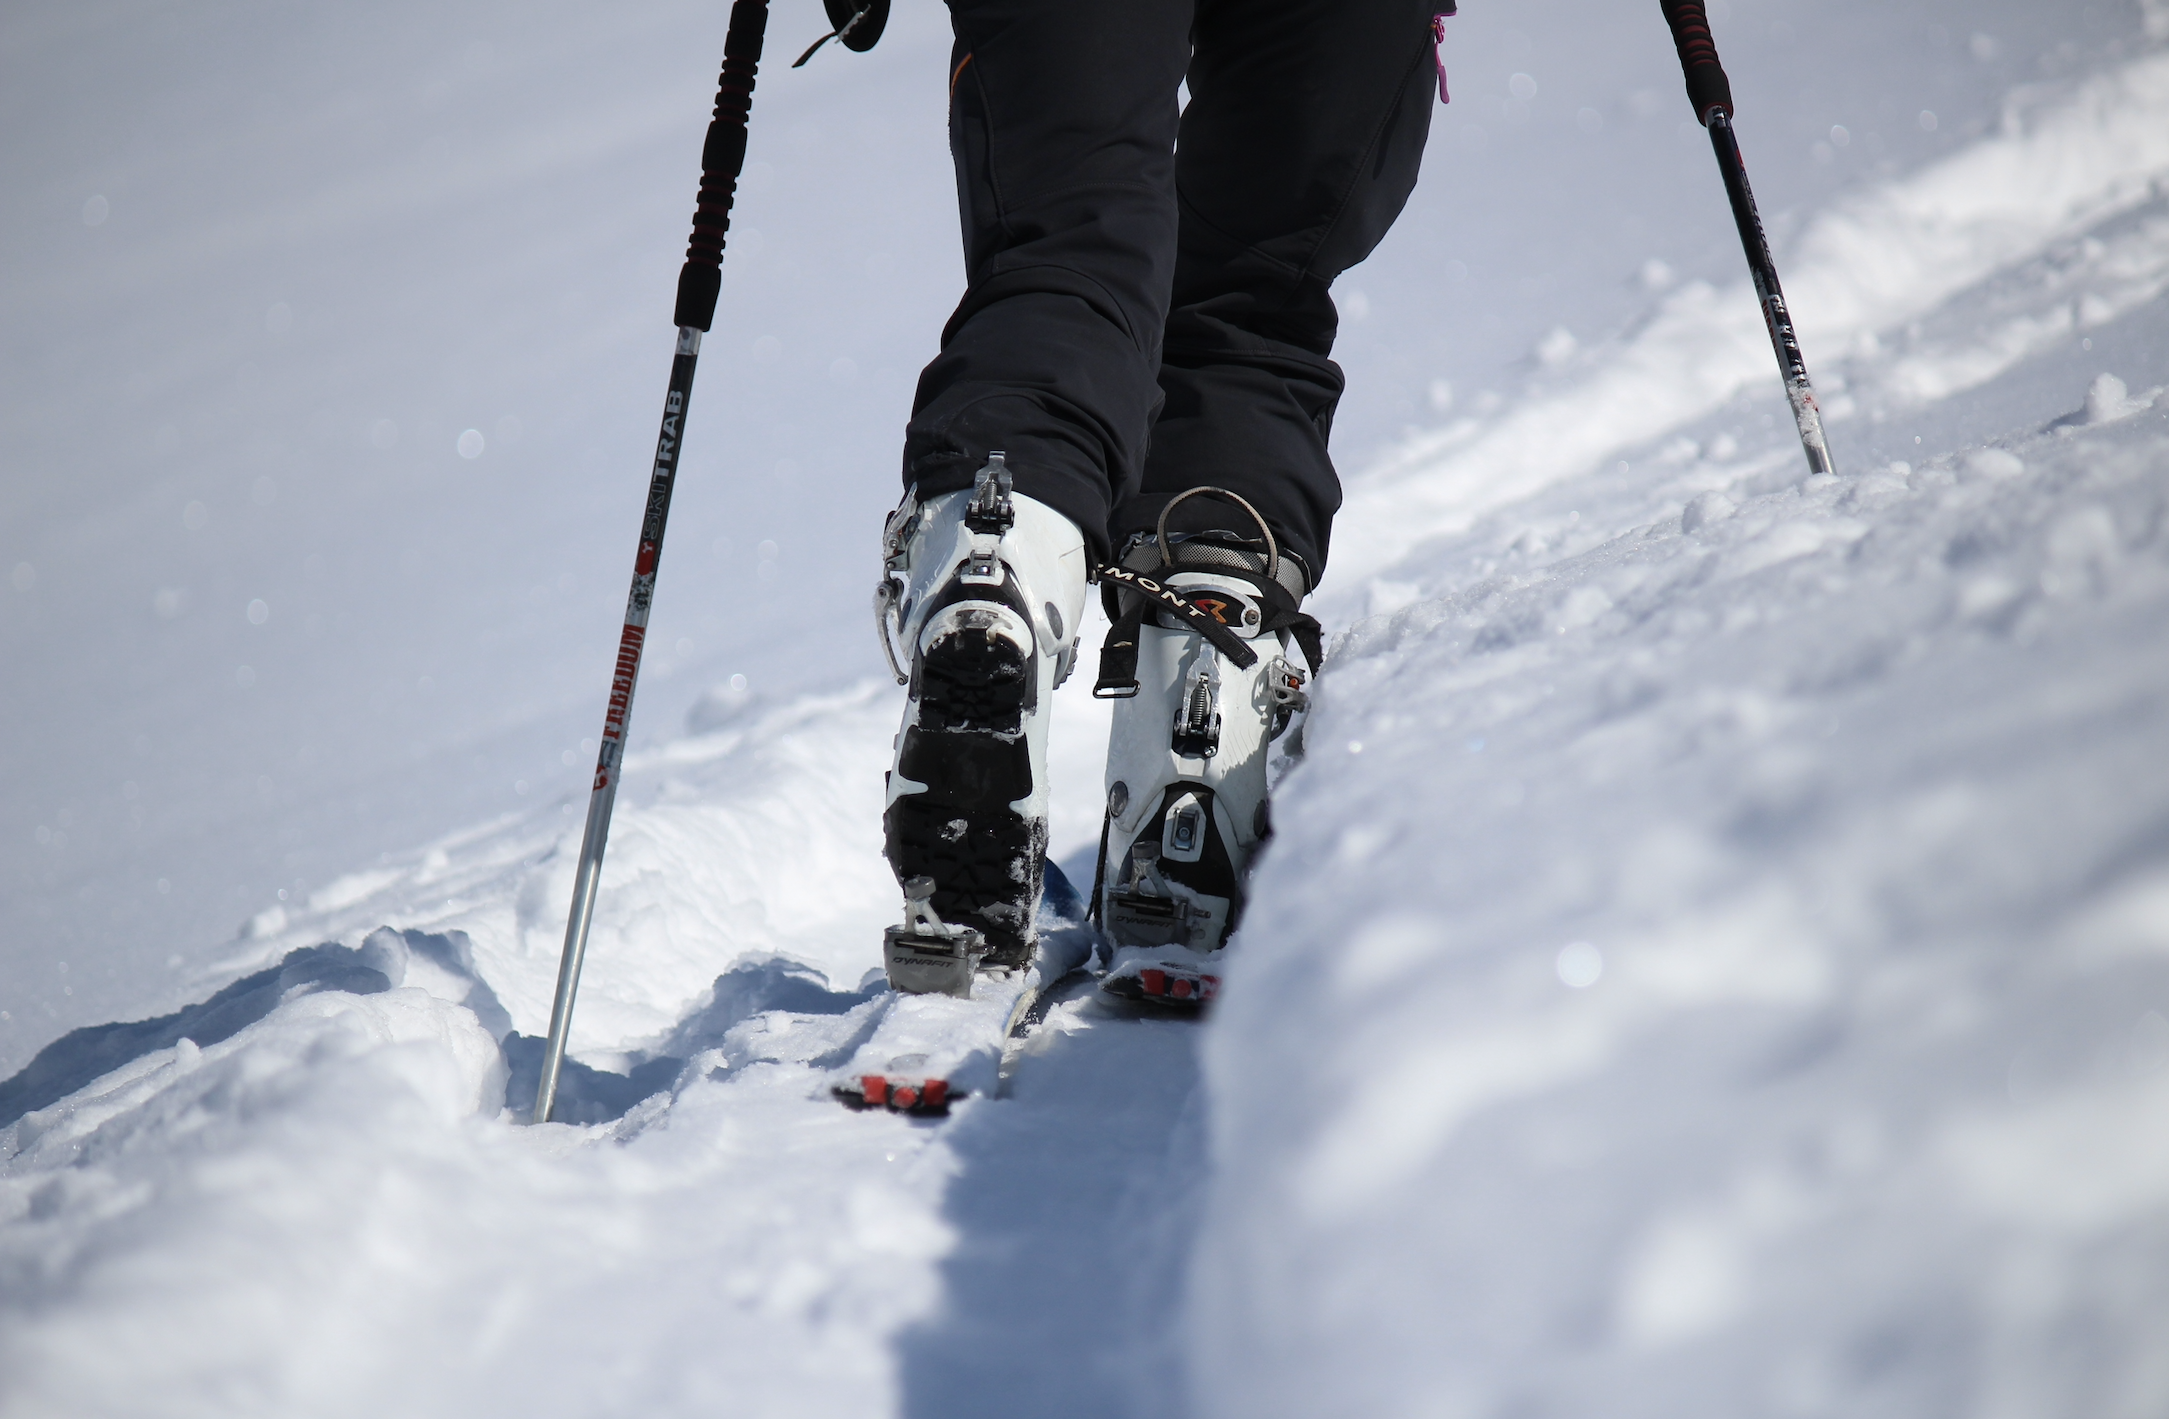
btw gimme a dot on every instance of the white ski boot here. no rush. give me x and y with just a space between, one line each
1186 759
983 592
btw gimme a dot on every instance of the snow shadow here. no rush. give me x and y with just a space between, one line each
1074 1205
86 1054
584 1094
754 987
441 963
589 1095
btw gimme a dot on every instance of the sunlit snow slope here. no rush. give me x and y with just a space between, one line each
1744 987
1715 959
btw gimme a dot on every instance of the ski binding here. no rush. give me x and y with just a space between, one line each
1173 979
926 955
940 1035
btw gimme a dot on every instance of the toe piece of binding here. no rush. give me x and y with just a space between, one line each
1157 985
904 1096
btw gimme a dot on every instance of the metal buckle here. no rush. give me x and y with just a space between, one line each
1197 720
989 518
1284 682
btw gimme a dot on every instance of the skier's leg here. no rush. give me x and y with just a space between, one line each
1300 144
1062 124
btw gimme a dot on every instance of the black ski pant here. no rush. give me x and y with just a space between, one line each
1147 307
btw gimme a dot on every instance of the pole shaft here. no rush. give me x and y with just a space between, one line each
1807 415
625 678
1710 92
700 281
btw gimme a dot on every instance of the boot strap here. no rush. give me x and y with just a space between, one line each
1118 654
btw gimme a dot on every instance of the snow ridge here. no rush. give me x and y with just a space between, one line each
2059 165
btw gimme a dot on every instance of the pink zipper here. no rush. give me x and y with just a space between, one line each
1438 47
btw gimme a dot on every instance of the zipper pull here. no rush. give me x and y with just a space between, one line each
1438 45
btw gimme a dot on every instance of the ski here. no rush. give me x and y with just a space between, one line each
940 1036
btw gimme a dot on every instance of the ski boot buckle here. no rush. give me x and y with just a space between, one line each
990 515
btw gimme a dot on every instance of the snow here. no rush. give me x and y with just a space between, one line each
2056 168
1715 958
1720 1008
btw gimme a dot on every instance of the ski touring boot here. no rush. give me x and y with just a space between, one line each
1198 664
978 608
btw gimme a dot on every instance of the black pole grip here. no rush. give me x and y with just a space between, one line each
1707 87
722 159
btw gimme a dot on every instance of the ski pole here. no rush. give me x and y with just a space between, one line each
1711 94
700 281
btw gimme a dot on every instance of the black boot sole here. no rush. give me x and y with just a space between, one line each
986 860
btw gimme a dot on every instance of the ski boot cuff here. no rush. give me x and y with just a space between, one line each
987 541
1217 551
1228 587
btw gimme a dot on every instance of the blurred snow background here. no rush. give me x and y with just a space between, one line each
1713 961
